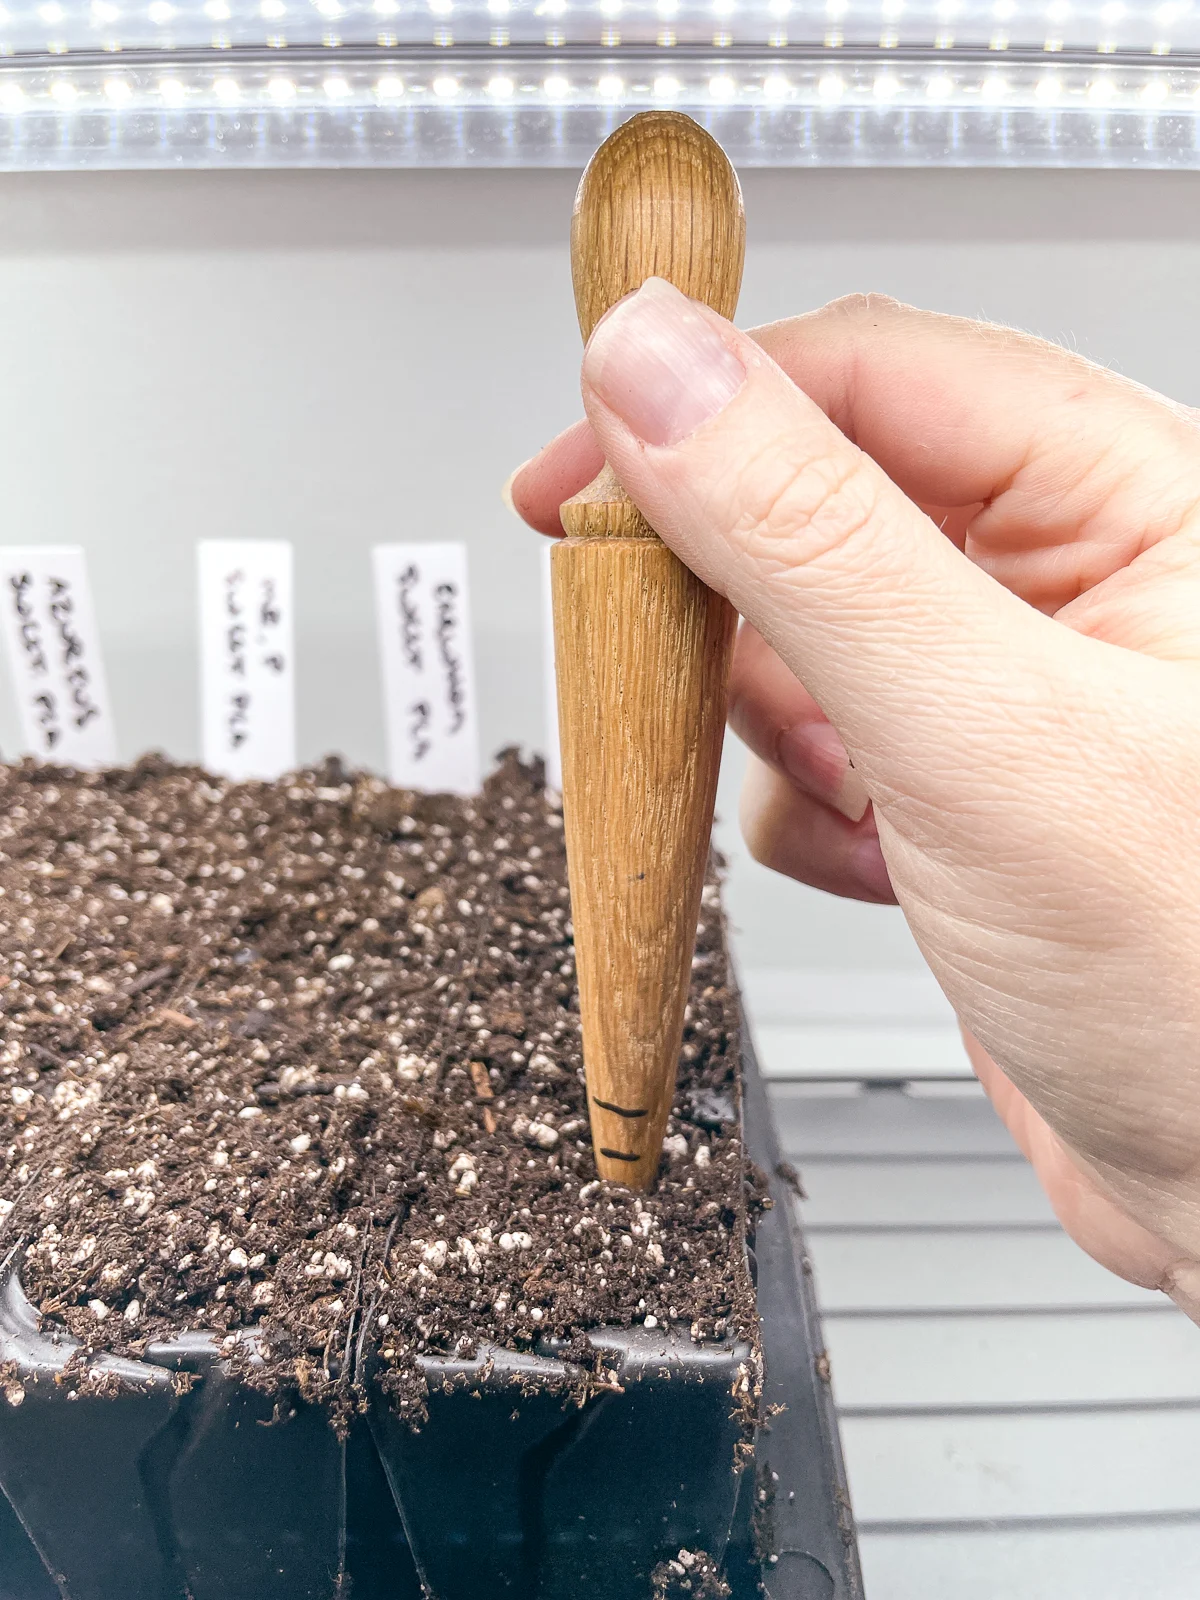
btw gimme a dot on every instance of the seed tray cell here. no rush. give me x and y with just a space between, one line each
173 1479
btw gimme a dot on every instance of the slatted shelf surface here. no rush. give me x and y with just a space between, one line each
994 1269
878 1051
900 1193
1018 1424
1141 1559
1034 1359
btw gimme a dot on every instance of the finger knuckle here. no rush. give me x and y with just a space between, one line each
858 310
865 308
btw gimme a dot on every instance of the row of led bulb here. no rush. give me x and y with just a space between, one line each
161 12
610 38
1053 17
722 88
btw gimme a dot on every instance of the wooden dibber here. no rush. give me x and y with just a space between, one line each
642 651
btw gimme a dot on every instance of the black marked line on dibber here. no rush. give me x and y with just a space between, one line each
621 1111
619 1155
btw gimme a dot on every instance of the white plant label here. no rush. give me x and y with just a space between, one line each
550 678
54 653
247 657
423 608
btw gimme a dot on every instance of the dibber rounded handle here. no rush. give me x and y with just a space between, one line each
659 199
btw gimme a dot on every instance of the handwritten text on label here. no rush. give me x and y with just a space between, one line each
246 644
54 653
423 613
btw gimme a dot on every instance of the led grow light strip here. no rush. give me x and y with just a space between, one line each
354 85
538 82
481 108
1105 26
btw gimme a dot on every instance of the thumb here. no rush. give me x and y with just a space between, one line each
882 619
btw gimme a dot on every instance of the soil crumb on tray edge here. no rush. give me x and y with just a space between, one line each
691 1575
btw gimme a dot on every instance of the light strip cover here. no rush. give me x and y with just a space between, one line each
222 83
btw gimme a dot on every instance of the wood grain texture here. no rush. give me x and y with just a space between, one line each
602 510
642 650
642 669
659 199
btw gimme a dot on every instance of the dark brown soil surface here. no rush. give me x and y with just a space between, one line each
303 1058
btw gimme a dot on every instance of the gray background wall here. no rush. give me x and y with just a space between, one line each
340 358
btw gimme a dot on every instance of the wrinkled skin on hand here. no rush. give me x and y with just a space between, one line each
969 564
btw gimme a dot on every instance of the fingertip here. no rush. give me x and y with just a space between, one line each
814 757
527 497
772 713
759 806
539 486
870 872
793 834
506 488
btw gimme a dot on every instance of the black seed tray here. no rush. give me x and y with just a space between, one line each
505 1493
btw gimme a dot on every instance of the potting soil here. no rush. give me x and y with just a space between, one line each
300 1061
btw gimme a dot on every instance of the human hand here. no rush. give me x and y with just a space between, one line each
980 556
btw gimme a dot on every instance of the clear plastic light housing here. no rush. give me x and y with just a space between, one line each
252 83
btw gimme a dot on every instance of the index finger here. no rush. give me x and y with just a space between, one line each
537 489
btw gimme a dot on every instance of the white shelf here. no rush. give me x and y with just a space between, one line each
1015 1422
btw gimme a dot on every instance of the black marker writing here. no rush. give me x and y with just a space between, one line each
448 624
410 617
31 633
71 647
238 720
419 716
46 712
237 717
46 717
270 617
269 614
